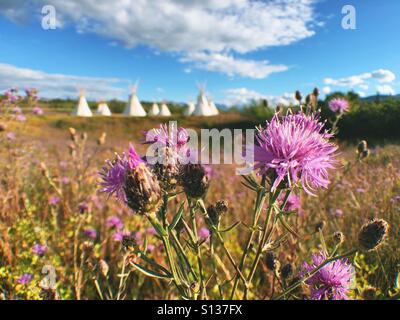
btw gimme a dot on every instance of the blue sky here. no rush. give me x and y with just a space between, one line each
242 49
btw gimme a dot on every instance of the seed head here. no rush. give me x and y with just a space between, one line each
372 234
362 146
142 190
221 206
338 237
271 262
194 180
298 96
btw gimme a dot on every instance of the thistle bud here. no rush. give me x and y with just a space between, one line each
195 287
298 96
213 215
316 92
271 262
319 226
372 234
194 180
104 268
167 175
286 271
87 248
72 133
362 146
143 192
2 127
221 206
338 237
128 242
364 154
84 136
102 139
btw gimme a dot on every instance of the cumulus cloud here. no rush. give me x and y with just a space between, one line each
53 85
363 81
231 66
385 89
189 28
243 96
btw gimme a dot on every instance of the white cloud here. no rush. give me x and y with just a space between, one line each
53 85
385 89
243 96
326 90
363 80
231 66
189 28
361 94
383 76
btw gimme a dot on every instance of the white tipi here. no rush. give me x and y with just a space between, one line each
103 109
154 110
164 112
213 108
189 109
82 109
134 107
202 107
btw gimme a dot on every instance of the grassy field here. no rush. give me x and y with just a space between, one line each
49 196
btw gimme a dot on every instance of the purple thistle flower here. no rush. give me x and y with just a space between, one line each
119 235
54 200
297 149
90 233
151 231
204 233
65 180
332 282
20 118
39 250
25 278
113 174
339 105
293 203
38 111
115 222
17 110
83 207
11 136
150 247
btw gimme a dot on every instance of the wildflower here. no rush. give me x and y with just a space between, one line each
17 110
10 136
150 247
25 279
151 231
83 207
39 250
65 180
90 233
339 105
331 282
204 233
372 234
54 200
115 222
37 111
293 203
20 118
296 150
120 235
194 180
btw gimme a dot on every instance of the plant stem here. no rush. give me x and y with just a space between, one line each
260 199
272 199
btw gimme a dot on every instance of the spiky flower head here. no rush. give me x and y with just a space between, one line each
271 261
296 150
339 105
372 234
194 180
331 282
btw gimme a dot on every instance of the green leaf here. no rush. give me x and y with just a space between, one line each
230 227
149 272
176 218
